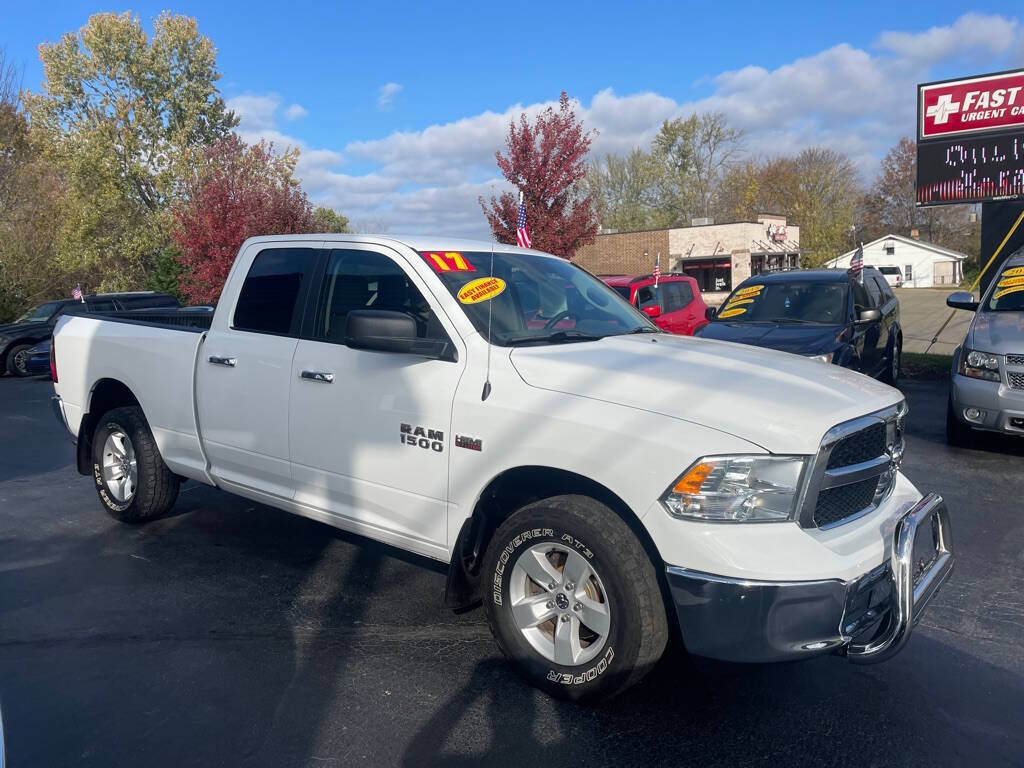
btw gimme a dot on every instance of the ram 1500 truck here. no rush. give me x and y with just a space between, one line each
592 480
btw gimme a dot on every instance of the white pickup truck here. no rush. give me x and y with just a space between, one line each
592 480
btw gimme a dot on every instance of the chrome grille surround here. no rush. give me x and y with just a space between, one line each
881 468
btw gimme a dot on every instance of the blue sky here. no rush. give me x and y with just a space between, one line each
399 107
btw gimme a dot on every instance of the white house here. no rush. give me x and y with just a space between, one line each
923 264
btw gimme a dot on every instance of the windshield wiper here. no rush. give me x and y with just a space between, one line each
792 320
559 337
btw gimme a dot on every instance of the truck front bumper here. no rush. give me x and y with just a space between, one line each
994 407
868 618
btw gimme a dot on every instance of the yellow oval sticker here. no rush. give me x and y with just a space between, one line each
1007 282
1014 272
481 289
732 312
740 302
1014 289
744 292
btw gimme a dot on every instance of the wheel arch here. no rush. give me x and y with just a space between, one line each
504 494
106 394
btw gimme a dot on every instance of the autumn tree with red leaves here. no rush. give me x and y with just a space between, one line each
547 161
238 191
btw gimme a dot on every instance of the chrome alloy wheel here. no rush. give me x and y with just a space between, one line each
119 467
559 604
21 362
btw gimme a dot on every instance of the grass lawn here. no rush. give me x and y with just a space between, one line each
916 365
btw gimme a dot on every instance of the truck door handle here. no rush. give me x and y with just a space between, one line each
321 376
228 361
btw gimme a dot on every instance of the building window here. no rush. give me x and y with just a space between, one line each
711 276
908 272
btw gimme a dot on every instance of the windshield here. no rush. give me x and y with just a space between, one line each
534 299
1008 294
790 302
40 314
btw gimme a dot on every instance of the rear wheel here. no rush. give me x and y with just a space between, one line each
957 433
573 599
892 371
17 360
131 478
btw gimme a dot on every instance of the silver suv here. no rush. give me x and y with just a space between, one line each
987 383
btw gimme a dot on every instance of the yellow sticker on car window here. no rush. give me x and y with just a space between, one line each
1013 272
748 290
738 302
482 289
1014 289
732 312
1006 282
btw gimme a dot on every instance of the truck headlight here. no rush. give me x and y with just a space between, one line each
738 489
979 365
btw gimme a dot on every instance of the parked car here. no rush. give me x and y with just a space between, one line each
36 325
590 481
823 314
38 362
675 303
986 391
892 274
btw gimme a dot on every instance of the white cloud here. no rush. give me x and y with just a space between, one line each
386 95
295 112
854 100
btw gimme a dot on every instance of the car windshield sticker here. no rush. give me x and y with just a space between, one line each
1014 272
448 261
1007 282
735 307
482 289
1014 289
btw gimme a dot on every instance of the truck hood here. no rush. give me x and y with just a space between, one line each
781 402
997 332
787 337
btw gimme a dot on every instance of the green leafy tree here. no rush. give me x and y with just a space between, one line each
122 116
329 220
625 191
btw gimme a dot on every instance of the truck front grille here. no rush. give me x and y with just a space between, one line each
855 468
1015 359
860 446
837 504
1016 379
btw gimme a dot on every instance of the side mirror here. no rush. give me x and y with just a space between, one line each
962 300
652 311
869 315
710 312
385 331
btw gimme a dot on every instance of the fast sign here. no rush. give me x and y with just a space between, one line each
971 169
983 104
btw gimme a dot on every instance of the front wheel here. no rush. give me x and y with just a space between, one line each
17 360
892 371
573 599
131 478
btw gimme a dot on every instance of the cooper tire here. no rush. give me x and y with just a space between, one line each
623 585
958 434
17 359
123 441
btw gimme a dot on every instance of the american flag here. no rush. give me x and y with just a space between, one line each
857 262
76 294
657 269
522 231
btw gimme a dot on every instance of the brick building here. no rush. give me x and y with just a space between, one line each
718 256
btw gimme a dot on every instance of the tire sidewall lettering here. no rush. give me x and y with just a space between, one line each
530 536
97 474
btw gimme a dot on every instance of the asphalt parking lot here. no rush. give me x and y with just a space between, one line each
234 634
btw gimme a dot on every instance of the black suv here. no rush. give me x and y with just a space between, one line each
37 324
824 314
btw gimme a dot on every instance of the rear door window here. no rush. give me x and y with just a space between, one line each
874 293
648 296
271 297
678 295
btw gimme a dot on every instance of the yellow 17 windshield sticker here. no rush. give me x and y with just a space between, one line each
482 289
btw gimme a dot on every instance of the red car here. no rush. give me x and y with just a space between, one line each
675 304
